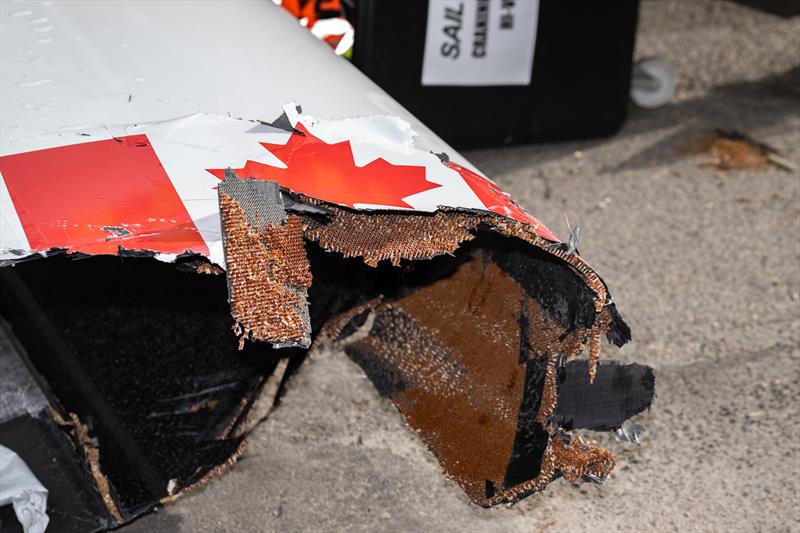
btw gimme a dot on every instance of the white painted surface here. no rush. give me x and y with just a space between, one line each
70 64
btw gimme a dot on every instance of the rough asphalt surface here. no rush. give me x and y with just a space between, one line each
704 266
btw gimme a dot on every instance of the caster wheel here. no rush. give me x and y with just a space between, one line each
652 84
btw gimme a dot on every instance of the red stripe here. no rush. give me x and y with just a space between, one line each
500 202
66 196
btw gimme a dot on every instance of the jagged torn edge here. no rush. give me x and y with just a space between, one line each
267 287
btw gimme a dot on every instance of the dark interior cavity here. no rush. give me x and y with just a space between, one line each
144 355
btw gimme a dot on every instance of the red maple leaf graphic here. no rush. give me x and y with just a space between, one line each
328 172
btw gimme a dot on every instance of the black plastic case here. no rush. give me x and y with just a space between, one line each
579 84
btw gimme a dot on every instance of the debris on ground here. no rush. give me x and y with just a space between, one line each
731 150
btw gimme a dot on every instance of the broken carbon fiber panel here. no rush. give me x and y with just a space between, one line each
473 344
468 323
472 323
472 328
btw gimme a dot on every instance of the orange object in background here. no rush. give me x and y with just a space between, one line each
313 10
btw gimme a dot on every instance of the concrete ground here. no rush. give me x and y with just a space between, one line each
704 266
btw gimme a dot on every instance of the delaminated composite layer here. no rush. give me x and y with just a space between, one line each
470 361
393 236
268 272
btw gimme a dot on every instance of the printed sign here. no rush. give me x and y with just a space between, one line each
480 42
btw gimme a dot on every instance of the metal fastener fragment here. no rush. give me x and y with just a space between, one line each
630 433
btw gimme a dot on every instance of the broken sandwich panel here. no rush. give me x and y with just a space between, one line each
461 308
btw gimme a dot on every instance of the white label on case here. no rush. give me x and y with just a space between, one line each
480 42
